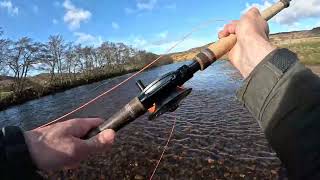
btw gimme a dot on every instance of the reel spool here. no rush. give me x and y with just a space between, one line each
165 96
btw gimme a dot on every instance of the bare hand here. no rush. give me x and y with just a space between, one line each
252 41
59 146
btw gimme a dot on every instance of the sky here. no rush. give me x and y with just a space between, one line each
152 25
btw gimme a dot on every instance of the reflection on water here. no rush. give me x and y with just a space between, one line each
215 136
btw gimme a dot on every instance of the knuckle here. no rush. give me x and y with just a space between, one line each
252 12
72 151
234 22
70 122
225 26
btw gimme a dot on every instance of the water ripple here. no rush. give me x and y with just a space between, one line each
215 137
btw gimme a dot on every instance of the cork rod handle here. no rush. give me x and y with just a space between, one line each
224 45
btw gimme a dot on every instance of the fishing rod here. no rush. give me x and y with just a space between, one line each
166 93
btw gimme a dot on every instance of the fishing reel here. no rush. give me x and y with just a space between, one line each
162 95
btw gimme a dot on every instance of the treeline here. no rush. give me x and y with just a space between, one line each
64 64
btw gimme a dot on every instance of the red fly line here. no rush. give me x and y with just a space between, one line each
197 28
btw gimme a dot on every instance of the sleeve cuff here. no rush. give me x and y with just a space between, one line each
262 81
17 155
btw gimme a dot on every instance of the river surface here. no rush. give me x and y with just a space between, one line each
215 136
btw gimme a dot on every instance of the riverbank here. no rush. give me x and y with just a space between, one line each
40 89
40 86
305 43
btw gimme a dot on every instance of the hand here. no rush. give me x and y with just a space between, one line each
252 41
59 146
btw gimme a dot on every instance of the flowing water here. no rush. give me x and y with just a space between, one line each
215 136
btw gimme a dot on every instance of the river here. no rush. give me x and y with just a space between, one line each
215 136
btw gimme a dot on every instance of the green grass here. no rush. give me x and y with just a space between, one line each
308 52
4 95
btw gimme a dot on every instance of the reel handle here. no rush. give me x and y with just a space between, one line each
224 45
127 114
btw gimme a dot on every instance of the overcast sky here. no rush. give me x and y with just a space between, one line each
153 25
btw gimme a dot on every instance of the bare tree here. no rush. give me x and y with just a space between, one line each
4 51
71 61
54 54
88 55
22 55
107 53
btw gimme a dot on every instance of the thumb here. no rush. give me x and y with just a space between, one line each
101 142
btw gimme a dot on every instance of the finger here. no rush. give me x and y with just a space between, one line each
253 12
228 29
232 27
101 142
223 33
80 127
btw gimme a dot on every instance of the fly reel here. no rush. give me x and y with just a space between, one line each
164 96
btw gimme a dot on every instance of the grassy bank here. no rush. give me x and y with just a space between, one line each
40 86
308 52
305 43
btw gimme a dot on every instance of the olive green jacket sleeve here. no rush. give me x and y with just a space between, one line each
284 97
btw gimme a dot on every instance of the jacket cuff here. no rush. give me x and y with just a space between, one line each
262 81
15 154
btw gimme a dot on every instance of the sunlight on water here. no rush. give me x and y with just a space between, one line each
215 136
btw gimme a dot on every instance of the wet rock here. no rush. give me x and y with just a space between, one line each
274 172
138 177
226 174
210 161
252 168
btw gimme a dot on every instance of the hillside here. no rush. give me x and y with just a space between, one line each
305 43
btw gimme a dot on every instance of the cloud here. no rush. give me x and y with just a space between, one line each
129 10
39 65
142 5
146 4
75 16
186 45
163 35
12 10
87 39
161 38
163 43
115 25
56 4
35 9
139 42
299 9
55 21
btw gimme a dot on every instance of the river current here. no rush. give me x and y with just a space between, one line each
215 136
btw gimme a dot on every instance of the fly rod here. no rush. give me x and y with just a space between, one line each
166 93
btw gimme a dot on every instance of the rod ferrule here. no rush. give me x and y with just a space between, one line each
205 58
286 3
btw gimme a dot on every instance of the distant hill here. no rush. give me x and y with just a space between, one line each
2 78
305 43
